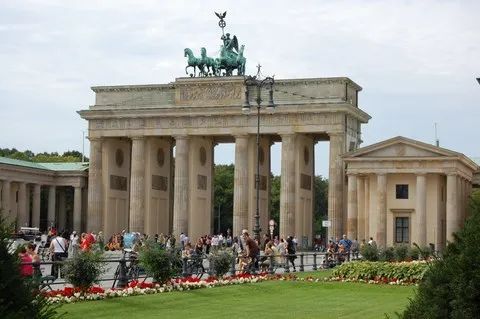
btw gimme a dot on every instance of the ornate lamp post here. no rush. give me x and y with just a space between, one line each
254 81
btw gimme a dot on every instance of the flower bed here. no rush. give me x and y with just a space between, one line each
382 272
70 295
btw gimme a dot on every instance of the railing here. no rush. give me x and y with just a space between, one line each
122 276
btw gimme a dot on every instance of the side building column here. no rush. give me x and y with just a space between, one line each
95 188
137 186
51 206
421 210
335 184
77 209
287 186
37 188
452 207
361 208
381 236
366 209
240 188
6 190
352 208
22 213
180 199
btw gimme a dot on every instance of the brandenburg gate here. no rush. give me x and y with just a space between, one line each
136 184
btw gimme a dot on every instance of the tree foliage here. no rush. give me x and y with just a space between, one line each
17 293
45 157
451 287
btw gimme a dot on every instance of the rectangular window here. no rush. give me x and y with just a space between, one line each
402 191
401 229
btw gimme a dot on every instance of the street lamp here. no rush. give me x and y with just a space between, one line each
254 81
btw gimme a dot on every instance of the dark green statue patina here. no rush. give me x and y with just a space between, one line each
231 56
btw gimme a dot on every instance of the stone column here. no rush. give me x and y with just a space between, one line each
421 210
62 213
180 199
51 206
137 186
469 197
77 209
37 188
335 185
95 187
22 212
367 209
352 208
381 236
240 186
361 208
452 207
6 194
287 187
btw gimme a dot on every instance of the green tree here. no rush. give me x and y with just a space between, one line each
451 287
223 197
275 198
321 204
17 293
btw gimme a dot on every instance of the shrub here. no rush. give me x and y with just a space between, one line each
401 252
413 271
386 254
160 263
414 253
222 262
18 297
369 253
452 285
84 270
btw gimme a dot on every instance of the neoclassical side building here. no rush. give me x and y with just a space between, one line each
23 182
405 191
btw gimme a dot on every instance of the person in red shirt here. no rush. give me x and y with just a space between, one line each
25 270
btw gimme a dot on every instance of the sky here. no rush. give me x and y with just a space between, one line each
416 60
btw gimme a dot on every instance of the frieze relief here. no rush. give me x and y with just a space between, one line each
214 121
209 94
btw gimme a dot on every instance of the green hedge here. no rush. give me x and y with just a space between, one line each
382 271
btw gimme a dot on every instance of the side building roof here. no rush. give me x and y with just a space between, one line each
56 167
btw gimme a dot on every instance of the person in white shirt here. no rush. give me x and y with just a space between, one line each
58 251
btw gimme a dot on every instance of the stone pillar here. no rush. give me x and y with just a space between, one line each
421 210
62 212
22 212
335 185
361 208
287 187
452 207
137 186
77 209
95 187
6 194
37 188
51 206
381 236
180 199
469 197
367 209
352 208
240 186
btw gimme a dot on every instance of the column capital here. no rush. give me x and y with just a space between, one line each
421 173
137 138
381 174
287 134
181 137
240 135
94 138
352 174
452 174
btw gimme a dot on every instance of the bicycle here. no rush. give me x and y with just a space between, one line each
132 267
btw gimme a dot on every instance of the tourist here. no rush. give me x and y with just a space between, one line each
58 251
347 244
73 246
25 270
35 259
281 251
252 251
291 249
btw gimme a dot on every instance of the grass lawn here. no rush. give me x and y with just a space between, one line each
271 299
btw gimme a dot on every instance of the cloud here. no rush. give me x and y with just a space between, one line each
416 60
